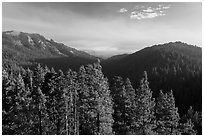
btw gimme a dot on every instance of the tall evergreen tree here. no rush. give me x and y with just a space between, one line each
145 108
105 109
124 107
132 108
22 106
87 102
38 102
8 103
15 105
95 102
71 104
48 89
117 92
167 115
59 102
54 89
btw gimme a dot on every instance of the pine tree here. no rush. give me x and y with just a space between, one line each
22 106
132 108
117 92
8 106
39 116
160 112
48 89
94 100
187 128
15 105
124 107
38 112
195 121
71 104
173 113
145 108
59 93
167 115
54 88
38 77
28 79
105 110
87 101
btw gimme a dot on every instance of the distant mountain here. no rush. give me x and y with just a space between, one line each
116 57
174 65
28 49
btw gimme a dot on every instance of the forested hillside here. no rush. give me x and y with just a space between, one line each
46 102
29 49
173 66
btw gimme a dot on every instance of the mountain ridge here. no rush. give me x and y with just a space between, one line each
173 66
23 48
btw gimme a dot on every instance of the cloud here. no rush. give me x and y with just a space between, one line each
123 10
140 12
148 10
143 15
166 7
160 5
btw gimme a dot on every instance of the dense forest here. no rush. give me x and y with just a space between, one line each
45 102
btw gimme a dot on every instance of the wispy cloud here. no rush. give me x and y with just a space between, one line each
143 12
123 10
145 15
149 9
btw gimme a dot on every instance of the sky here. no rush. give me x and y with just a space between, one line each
107 29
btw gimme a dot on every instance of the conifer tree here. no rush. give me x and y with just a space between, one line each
145 108
22 106
173 113
38 102
160 111
38 77
117 92
28 79
95 102
132 108
87 101
105 109
8 103
54 87
167 115
38 112
195 120
187 128
48 90
15 105
59 91
71 104
124 107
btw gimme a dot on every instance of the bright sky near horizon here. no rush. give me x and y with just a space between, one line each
108 28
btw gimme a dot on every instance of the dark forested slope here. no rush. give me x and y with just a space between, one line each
174 65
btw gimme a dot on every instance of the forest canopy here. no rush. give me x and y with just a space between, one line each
45 102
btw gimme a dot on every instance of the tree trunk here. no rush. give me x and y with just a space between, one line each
98 123
40 120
